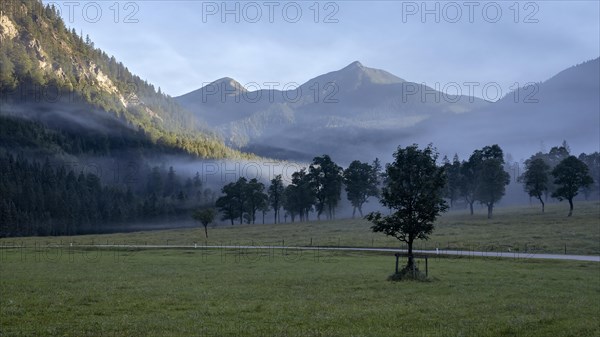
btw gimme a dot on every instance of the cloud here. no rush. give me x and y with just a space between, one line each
173 48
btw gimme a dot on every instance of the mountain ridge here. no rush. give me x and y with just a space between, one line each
397 111
353 97
563 107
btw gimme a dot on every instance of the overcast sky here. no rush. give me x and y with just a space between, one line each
181 45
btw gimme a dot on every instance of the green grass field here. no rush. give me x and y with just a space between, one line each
56 292
70 291
515 228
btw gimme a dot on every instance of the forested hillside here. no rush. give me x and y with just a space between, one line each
48 70
51 198
64 102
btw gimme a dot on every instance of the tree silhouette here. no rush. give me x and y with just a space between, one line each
276 195
570 175
360 181
414 190
535 178
228 204
299 196
490 175
255 199
205 216
453 175
326 180
592 161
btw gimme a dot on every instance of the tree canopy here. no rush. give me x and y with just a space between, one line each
570 175
205 216
361 182
326 181
276 196
535 178
414 192
490 175
299 196
241 200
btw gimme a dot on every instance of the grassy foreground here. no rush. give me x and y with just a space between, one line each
523 229
62 292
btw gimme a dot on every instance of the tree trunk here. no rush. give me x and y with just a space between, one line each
353 212
360 211
542 201
570 206
206 231
490 210
471 206
411 259
275 221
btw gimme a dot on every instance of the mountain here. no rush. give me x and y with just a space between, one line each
51 75
210 98
356 75
359 112
564 107
350 105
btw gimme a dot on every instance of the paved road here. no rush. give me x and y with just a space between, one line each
510 255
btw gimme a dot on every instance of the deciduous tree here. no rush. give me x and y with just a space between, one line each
414 190
360 181
570 175
255 199
276 195
535 178
490 175
326 180
205 216
299 196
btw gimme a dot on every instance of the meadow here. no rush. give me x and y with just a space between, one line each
520 229
48 290
62 292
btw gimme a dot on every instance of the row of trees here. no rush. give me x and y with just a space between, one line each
317 188
482 178
38 198
559 174
415 188
242 200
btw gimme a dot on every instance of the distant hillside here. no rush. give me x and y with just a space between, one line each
345 112
564 107
52 75
360 112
